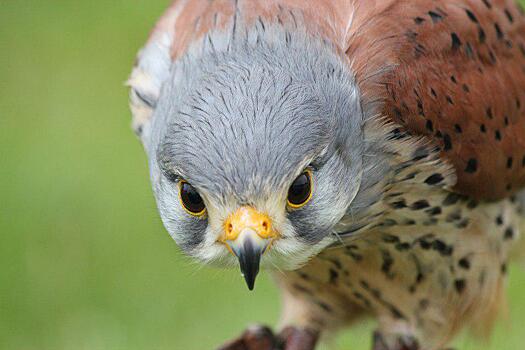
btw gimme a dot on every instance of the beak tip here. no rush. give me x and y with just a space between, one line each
250 281
249 260
249 250
250 272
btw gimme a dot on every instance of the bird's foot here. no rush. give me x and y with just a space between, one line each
394 342
254 338
293 338
262 338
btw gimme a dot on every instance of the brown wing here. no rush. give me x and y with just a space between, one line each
458 77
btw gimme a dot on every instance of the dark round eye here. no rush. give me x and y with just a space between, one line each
300 191
191 200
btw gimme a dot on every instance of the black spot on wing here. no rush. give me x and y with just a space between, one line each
472 166
456 41
436 17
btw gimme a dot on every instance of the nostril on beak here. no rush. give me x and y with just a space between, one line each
265 225
247 217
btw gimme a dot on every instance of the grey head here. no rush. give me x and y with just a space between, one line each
237 122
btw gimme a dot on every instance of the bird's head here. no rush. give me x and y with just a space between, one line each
255 151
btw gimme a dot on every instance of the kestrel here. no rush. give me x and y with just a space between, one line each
371 150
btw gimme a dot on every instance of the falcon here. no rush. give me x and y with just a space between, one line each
371 151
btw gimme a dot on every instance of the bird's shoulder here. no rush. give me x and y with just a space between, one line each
457 77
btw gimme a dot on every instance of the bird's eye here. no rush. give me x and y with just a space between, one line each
191 200
300 191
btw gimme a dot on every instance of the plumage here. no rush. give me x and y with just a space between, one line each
436 68
424 111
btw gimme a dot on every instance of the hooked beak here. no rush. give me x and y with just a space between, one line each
248 234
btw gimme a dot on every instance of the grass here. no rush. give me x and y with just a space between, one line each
84 260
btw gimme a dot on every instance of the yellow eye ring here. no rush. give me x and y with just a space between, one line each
190 199
301 190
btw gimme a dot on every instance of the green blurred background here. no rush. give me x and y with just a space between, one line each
84 260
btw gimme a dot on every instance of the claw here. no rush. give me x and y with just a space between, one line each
262 338
397 342
254 338
298 339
